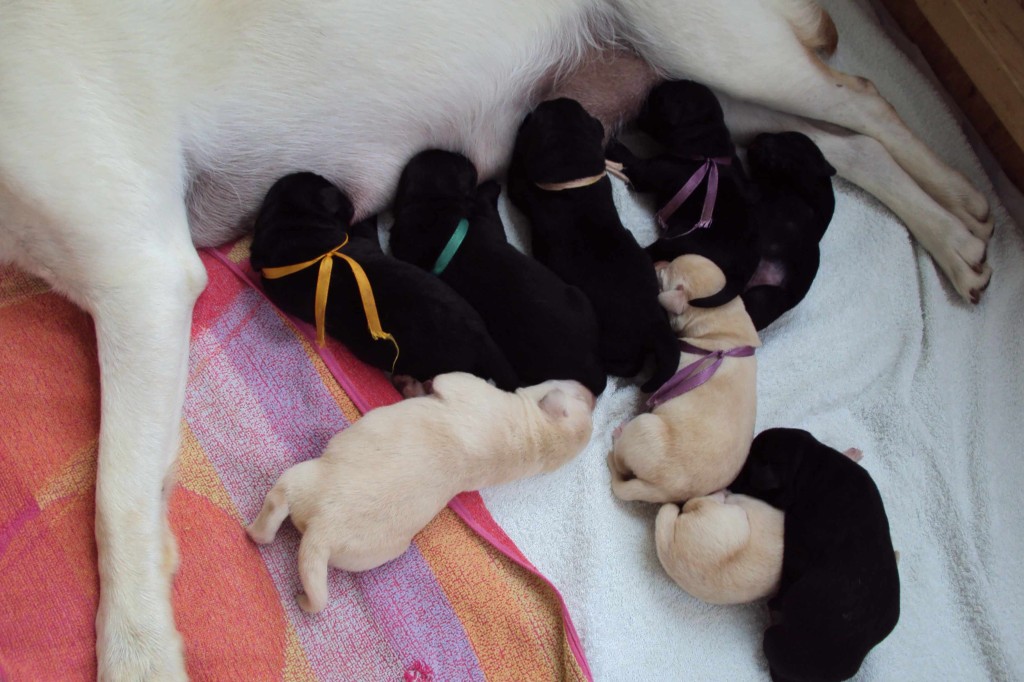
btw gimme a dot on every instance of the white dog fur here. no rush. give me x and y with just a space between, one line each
695 443
380 481
722 548
132 132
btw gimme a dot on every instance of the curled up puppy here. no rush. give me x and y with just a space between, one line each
697 435
722 548
380 481
839 595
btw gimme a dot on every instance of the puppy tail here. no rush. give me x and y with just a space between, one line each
271 516
313 559
812 25
636 490
627 486
665 529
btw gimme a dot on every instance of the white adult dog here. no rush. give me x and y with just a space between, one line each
132 132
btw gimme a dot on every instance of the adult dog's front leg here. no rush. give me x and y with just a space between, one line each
142 327
131 264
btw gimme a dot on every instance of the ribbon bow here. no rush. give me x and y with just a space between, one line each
323 285
696 373
708 169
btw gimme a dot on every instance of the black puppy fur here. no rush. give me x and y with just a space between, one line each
686 119
840 591
577 233
304 216
546 328
794 208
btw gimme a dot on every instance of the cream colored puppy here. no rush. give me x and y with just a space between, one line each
380 481
723 548
696 443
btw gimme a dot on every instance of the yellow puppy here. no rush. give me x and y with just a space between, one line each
384 478
722 549
696 443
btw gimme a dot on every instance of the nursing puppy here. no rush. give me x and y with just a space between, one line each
436 331
556 178
840 589
687 120
695 443
794 207
545 327
205 104
722 548
383 479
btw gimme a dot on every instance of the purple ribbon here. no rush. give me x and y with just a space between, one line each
696 373
708 169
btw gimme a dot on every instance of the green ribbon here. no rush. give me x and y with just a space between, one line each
451 247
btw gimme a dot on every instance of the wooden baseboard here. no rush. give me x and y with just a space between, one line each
976 49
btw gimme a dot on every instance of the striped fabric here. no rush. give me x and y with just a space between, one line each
461 604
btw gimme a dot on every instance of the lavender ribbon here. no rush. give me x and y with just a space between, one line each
696 373
708 169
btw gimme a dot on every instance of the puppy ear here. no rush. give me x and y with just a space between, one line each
675 301
555 404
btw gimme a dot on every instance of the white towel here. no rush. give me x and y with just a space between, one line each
881 355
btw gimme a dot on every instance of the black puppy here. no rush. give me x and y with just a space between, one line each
714 219
556 178
545 327
304 216
840 591
794 208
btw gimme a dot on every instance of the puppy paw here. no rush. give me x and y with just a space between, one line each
408 386
719 496
258 535
306 605
854 453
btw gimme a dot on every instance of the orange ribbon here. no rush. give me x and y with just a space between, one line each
323 283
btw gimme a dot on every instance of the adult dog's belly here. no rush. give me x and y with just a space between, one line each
353 91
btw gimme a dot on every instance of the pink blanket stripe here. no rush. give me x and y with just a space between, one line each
469 506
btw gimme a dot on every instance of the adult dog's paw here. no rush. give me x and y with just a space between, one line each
138 646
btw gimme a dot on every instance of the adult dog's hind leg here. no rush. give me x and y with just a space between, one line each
747 50
865 162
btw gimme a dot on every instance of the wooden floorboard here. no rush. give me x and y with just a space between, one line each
976 49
